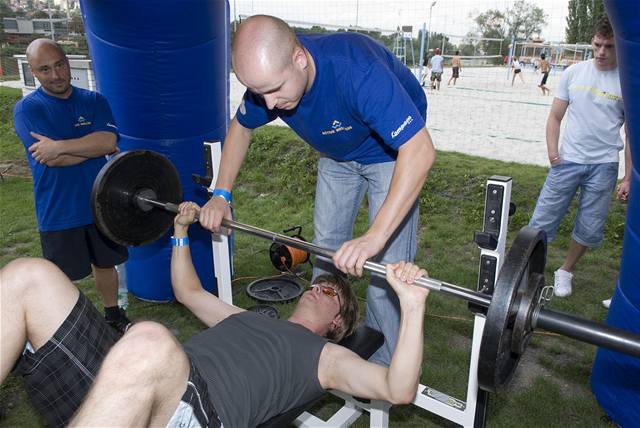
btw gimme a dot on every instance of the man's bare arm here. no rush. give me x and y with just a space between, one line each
236 145
415 159
96 144
625 184
343 370
184 279
558 109
65 160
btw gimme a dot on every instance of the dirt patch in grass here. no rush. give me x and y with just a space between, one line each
529 368
15 168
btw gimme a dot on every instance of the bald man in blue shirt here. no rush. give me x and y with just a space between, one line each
352 100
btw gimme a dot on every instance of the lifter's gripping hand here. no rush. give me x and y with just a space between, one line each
401 276
185 217
352 255
213 212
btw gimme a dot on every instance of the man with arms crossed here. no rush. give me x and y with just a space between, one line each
590 96
67 132
219 377
364 111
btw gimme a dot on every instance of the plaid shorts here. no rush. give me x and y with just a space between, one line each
58 376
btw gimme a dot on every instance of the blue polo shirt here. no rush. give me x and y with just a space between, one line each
363 104
63 194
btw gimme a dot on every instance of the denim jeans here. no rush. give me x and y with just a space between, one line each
595 182
340 190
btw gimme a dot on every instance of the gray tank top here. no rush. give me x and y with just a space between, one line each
257 367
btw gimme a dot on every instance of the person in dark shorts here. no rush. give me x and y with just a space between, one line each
152 380
544 69
517 70
455 68
66 132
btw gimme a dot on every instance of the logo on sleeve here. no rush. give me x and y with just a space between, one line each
82 122
336 126
243 108
400 128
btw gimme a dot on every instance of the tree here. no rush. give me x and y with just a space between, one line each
525 19
582 16
521 20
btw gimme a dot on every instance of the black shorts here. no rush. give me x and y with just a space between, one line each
58 376
545 75
516 71
75 250
456 72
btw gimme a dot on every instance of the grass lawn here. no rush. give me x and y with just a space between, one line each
275 191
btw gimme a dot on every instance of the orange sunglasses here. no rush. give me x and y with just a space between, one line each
327 290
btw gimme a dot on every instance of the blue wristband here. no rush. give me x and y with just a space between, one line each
221 193
179 242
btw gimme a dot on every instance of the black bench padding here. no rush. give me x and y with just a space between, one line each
364 342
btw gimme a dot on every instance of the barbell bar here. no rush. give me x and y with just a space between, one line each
132 184
557 322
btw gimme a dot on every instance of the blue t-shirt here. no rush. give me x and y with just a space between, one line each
363 104
63 194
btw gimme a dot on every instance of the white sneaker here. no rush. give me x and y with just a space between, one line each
562 283
606 303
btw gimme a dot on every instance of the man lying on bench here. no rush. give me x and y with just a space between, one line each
243 370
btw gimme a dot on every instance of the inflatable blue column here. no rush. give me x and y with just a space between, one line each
163 67
615 377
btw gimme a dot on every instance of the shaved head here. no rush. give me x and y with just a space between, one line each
36 46
263 42
271 62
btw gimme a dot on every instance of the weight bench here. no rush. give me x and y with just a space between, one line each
364 342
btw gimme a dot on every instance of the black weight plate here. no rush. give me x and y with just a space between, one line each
278 289
115 211
265 310
521 270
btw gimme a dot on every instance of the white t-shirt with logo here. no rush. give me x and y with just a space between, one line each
594 116
436 63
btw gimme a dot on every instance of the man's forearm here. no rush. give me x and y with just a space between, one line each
553 135
233 153
406 362
184 278
92 145
411 170
628 162
65 160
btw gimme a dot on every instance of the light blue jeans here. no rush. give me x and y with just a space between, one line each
340 190
595 182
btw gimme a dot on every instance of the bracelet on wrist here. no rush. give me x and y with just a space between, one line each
224 194
180 242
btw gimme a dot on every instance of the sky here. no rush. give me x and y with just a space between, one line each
454 17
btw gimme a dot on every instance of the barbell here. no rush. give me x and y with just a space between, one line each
135 198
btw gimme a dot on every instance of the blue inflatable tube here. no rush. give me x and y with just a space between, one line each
615 378
163 66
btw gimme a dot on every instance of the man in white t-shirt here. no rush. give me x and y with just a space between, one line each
436 69
589 93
